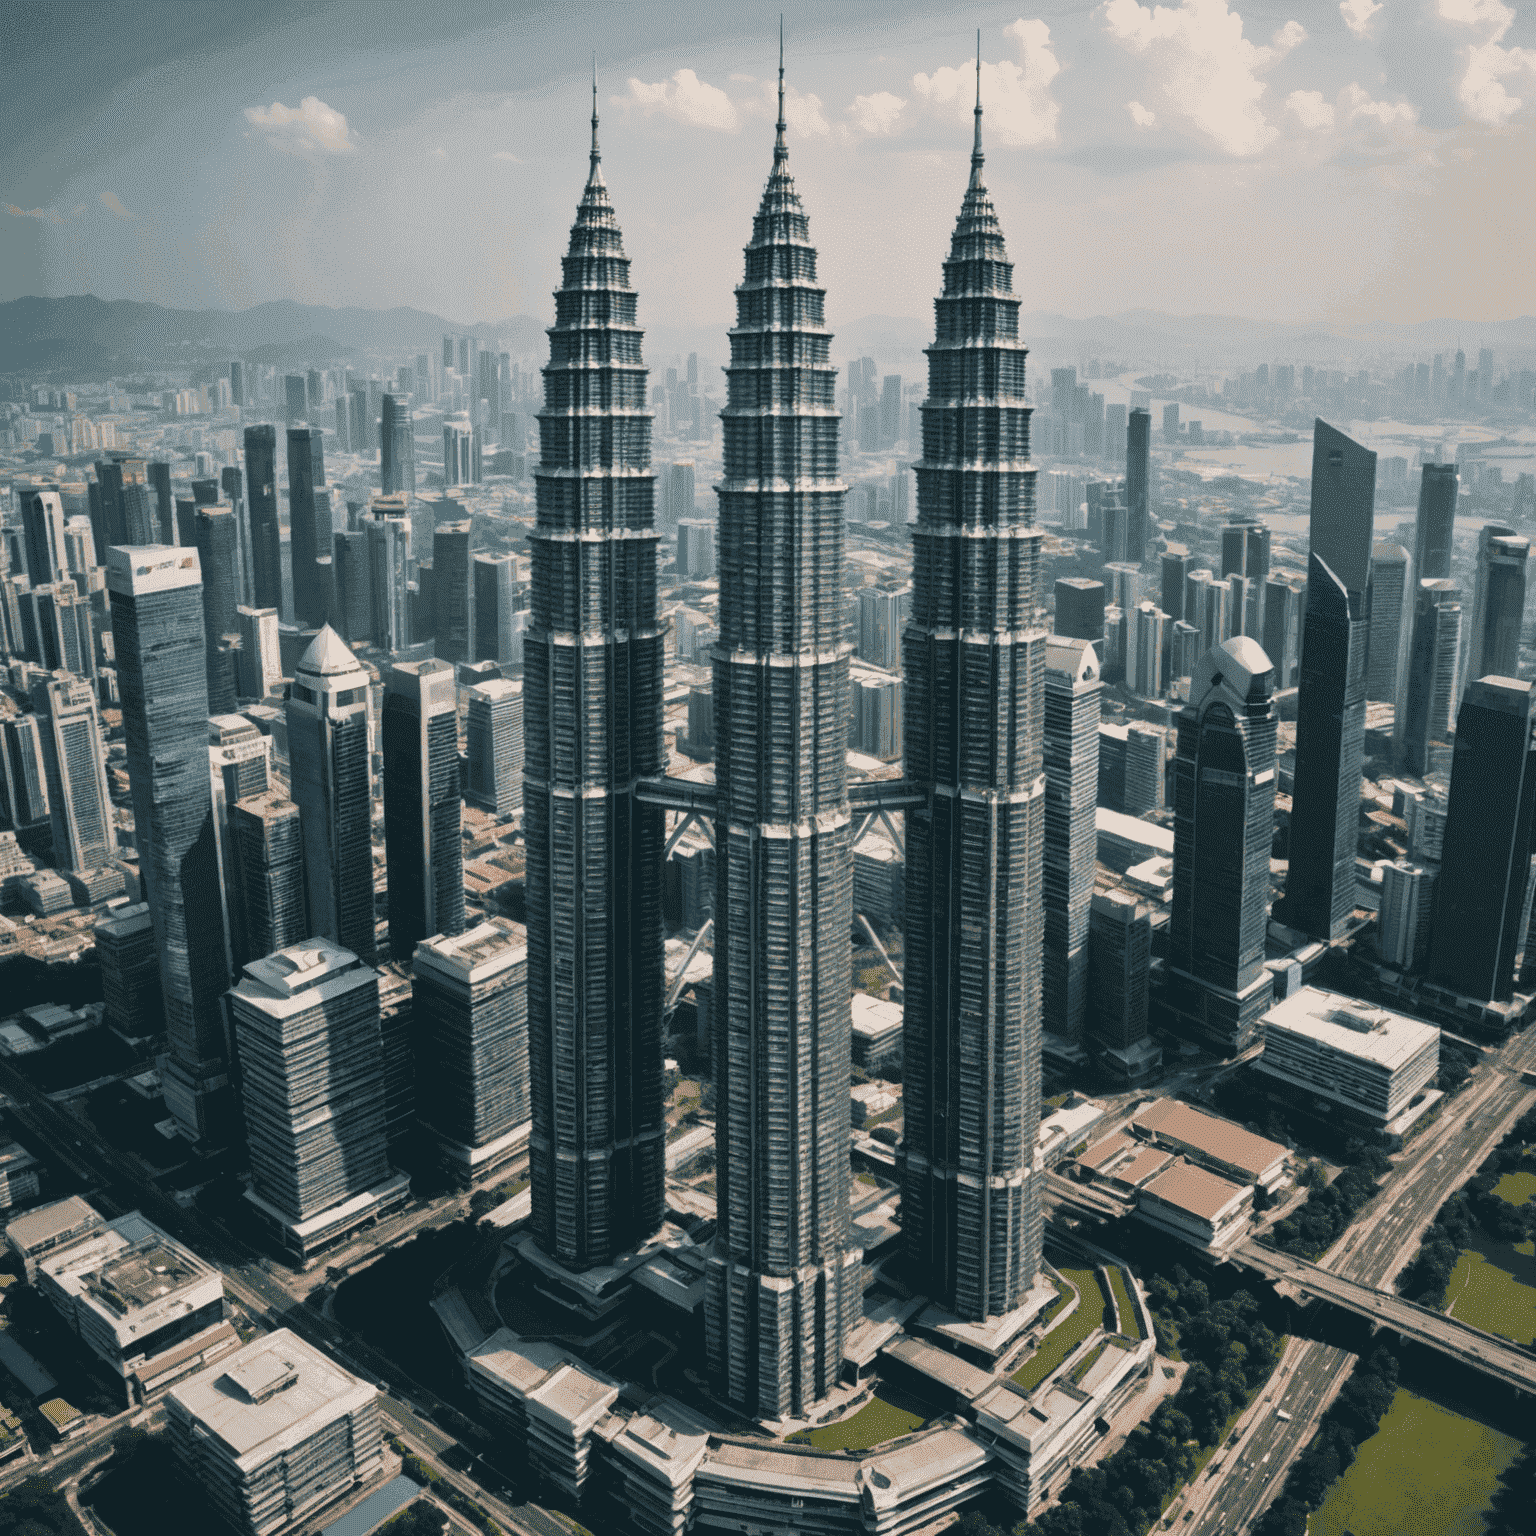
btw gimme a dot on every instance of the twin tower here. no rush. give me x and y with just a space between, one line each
784 1284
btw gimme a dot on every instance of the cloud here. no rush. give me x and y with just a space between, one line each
45 215
1016 97
803 115
114 204
1357 15
1481 89
1205 70
686 99
877 114
1139 114
311 125
506 154
1358 106
1309 109
1478 13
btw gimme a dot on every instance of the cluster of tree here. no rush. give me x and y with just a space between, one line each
1353 1419
423 1518
461 1503
35 1508
1330 1208
1514 1500
1474 1208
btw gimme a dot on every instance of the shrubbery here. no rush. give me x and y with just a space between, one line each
1330 1207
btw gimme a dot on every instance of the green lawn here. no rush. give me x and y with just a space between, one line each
1517 1188
1493 1287
875 1423
1069 1333
1425 1472
1129 1325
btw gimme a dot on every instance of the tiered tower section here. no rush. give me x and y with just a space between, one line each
974 653
783 1286
592 695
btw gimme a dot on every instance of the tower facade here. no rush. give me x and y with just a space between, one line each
1491 639
1330 706
1138 484
424 855
70 729
1224 818
265 831
1435 526
157 632
397 446
1423 721
1390 605
389 559
592 700
332 784
783 1285
975 664
309 524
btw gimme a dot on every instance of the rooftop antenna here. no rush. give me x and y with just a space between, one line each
977 159
780 149
596 156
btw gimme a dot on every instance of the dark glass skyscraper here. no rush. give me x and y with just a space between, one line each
1490 641
217 538
974 660
1330 710
309 525
592 695
261 500
397 446
424 855
1436 523
1486 862
157 630
1138 484
1224 817
783 1286
1428 702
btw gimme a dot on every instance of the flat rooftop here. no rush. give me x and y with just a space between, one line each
479 952
1194 1190
1217 1138
52 1221
125 1266
1344 1024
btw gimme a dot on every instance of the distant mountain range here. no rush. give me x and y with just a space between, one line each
87 337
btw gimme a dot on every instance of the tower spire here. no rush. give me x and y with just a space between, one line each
780 148
977 158
597 154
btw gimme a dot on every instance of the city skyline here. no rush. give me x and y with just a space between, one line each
1338 130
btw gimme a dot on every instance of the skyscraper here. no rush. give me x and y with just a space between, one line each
309 523
458 452
592 655
1145 668
424 855
42 521
268 843
1224 808
495 601
159 474
157 632
1490 642
70 730
389 558
1080 609
1422 731
494 731
261 499
471 999
1138 484
26 776
1435 527
1330 711
1389 603
1120 963
350 572
782 1288
1071 763
1480 897
1284 600
239 766
130 971
974 654
258 665
332 786
453 596
397 447
1245 553
217 548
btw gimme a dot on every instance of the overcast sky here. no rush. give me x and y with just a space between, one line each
1362 161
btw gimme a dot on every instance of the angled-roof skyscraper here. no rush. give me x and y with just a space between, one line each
783 1286
974 656
592 710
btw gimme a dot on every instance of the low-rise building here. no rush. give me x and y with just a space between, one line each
1347 1058
276 1432
149 1309
39 1232
877 1032
1196 1205
1217 1145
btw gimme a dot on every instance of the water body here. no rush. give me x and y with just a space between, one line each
1427 1471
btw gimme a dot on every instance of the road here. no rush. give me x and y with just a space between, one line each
1372 1251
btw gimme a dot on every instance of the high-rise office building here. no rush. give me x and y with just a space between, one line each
261 499
1490 640
306 1023
471 1001
26 776
61 622
359 435
388 529
1080 609
1434 529
1145 751
453 593
343 425
1070 755
268 845
882 616
70 732
458 452
1389 602
495 601
593 653
696 547
1403 922
239 765
975 712
236 382
1485 871
157 632
130 972
397 446
1119 971
1422 731
127 502
1330 710
217 545
351 572
295 399
782 1288
331 783
258 664
1138 485
494 729
1148 645
159 476
1224 807
1284 603
42 521
309 523
1245 554
424 853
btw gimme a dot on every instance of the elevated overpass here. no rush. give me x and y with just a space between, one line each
1487 1352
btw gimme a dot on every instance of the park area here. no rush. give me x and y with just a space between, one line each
876 1422
1493 1286
1425 1472
1067 1334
